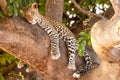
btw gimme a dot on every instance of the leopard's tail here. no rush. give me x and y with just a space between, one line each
87 67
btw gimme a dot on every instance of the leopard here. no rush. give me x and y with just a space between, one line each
57 31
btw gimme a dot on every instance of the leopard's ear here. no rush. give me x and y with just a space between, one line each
35 5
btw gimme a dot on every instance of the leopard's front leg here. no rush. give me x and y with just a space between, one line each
54 38
55 53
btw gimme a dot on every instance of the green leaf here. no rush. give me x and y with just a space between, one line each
42 7
81 52
2 61
15 11
11 10
1 14
89 43
23 3
82 33
16 2
84 43
11 1
80 39
81 48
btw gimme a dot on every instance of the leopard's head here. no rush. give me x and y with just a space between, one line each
31 14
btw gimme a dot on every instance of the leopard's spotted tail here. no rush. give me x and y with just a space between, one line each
87 67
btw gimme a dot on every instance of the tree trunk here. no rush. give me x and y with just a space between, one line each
54 9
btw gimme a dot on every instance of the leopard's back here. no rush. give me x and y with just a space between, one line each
62 29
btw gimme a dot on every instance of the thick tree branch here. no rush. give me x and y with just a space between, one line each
116 5
105 37
85 12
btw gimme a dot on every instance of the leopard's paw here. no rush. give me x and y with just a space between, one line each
29 69
76 74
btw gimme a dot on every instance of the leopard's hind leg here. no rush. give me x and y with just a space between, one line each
72 47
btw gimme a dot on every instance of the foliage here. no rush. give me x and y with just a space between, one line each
16 76
83 41
21 75
13 7
42 6
6 60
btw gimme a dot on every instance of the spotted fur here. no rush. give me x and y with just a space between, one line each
87 67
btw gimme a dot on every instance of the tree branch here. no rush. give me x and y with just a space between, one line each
116 5
85 12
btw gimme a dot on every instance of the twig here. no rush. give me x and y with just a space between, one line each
85 12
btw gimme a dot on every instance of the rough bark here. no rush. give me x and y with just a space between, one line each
54 9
